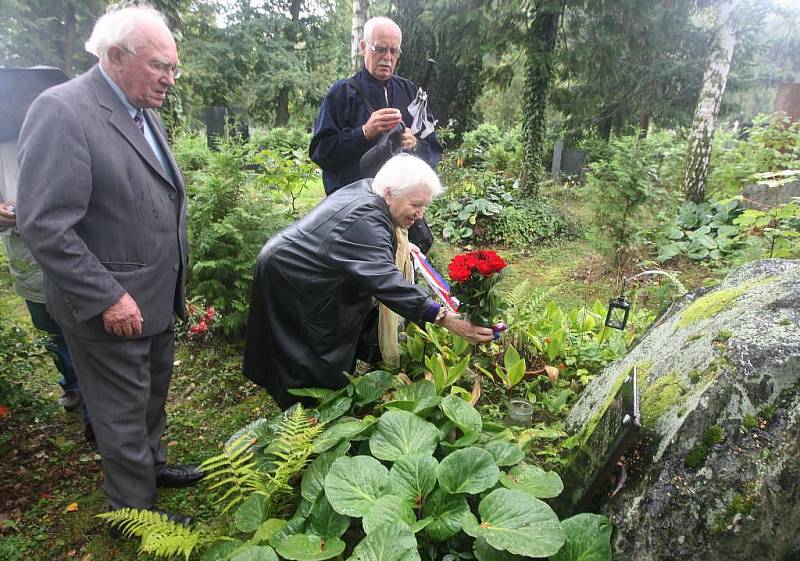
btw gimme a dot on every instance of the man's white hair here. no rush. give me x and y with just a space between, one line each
119 26
404 173
369 27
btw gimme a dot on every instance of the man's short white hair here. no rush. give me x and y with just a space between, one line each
369 27
404 173
118 27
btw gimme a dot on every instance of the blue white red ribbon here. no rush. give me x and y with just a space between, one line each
433 278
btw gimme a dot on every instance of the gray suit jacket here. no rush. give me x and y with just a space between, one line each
98 211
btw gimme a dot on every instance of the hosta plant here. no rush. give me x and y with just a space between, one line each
385 470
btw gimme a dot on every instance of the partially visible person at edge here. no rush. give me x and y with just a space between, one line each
102 208
28 281
314 282
351 122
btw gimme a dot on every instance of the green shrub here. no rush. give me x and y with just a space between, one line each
627 190
283 140
528 223
488 148
772 144
229 219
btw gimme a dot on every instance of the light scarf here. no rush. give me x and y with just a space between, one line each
388 321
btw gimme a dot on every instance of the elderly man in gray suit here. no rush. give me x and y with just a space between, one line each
102 207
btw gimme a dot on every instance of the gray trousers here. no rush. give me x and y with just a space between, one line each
124 385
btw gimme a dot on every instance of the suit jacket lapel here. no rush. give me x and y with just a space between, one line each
162 141
121 120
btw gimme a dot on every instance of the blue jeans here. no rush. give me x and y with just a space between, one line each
58 348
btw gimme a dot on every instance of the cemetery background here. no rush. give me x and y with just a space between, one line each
569 242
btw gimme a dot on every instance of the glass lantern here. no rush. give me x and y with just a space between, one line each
618 310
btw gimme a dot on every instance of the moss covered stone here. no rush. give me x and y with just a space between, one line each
711 304
697 457
659 397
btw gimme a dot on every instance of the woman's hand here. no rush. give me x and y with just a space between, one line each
466 329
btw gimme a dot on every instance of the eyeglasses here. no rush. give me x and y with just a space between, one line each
383 50
163 68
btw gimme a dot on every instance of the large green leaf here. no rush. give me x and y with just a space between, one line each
343 429
414 477
464 415
354 484
422 394
251 513
293 526
504 453
401 433
371 386
515 522
447 512
484 552
314 477
326 522
334 409
534 481
221 550
308 547
256 553
588 538
267 530
390 542
388 510
468 470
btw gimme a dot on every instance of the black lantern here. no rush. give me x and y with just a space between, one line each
618 310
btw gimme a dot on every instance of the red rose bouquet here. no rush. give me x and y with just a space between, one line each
200 321
474 276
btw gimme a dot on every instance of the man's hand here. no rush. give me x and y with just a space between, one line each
409 142
8 217
381 121
466 329
123 318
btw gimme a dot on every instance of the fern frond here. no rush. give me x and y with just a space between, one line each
160 536
235 469
294 445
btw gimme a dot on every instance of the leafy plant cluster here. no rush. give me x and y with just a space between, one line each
771 144
701 231
381 470
487 147
281 139
230 217
628 189
774 232
483 206
23 358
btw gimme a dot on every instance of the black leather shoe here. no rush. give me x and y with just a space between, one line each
179 475
116 533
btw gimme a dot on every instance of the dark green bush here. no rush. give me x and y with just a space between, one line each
231 216
528 223
282 140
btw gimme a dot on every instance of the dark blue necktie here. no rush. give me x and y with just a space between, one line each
139 120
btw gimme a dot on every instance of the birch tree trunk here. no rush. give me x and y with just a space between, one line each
360 11
705 115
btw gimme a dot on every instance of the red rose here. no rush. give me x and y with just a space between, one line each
458 273
485 268
211 313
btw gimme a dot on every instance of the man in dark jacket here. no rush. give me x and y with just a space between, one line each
357 111
314 282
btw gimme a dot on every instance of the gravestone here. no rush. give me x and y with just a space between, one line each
215 119
787 100
772 189
568 161
18 88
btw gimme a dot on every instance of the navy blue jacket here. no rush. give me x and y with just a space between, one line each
338 141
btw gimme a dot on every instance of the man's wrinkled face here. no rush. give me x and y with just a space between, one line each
381 65
408 207
146 75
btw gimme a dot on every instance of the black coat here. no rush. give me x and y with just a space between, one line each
313 287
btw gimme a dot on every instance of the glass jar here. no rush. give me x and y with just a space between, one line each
520 412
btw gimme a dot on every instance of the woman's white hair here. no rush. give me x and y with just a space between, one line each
118 27
404 173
